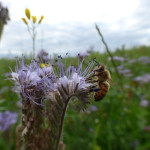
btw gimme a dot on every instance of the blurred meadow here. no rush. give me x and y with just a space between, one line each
119 122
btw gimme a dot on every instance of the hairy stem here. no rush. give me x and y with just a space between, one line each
61 124
108 51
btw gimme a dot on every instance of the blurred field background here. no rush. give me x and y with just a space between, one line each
119 122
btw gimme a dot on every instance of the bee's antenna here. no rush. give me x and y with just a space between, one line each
94 59
96 63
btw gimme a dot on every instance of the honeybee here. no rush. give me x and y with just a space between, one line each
102 75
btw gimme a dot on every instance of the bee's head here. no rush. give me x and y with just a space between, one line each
100 68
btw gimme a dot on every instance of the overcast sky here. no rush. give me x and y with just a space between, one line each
69 25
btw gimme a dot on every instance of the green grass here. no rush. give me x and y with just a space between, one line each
119 122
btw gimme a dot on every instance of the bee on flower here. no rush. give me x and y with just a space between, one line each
46 91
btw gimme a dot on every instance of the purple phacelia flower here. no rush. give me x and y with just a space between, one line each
72 81
93 108
34 82
29 80
144 59
7 118
132 61
144 103
142 79
117 58
125 72
42 56
120 67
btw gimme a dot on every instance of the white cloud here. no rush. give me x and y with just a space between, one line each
87 11
69 24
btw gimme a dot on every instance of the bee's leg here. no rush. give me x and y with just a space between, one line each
91 88
93 81
96 89
87 79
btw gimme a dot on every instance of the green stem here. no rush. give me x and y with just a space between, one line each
108 51
33 38
61 125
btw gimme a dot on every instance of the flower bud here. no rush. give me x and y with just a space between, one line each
42 17
27 12
34 19
25 21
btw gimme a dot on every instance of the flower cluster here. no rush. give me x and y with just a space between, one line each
144 60
7 118
47 90
142 79
34 19
29 80
123 71
35 82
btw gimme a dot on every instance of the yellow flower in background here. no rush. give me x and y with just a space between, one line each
32 25
25 21
34 19
27 12
42 17
42 65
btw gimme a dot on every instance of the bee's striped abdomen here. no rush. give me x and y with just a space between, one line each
104 86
